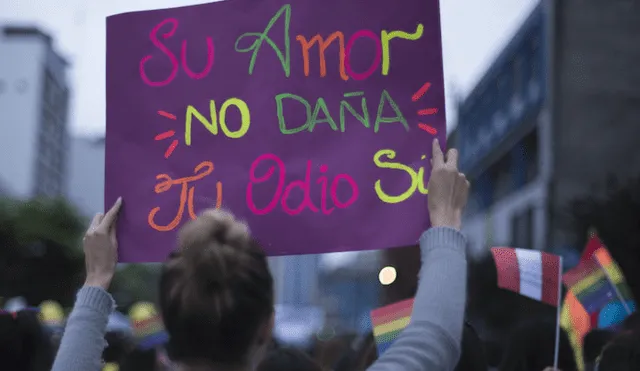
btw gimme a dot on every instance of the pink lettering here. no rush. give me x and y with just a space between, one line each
207 68
323 200
165 50
175 64
306 202
253 179
282 193
376 60
334 190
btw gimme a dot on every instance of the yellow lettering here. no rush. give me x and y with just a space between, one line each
387 36
212 125
383 196
245 116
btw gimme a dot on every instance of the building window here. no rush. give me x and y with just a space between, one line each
518 72
501 177
522 229
502 87
531 155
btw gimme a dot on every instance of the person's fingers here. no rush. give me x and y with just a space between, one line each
111 215
112 231
95 222
438 157
452 158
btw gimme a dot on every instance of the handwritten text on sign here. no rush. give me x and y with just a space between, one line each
312 121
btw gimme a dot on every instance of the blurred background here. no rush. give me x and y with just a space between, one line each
543 103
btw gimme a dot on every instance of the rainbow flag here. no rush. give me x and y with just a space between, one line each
577 323
597 282
589 283
389 321
149 332
613 271
574 318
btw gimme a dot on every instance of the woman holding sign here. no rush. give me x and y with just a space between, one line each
216 291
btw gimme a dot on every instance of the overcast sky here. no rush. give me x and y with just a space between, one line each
473 32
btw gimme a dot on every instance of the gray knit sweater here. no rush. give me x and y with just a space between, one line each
431 342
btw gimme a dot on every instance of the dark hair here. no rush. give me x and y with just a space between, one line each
117 347
472 357
622 353
593 343
531 348
24 344
216 292
288 359
632 322
140 360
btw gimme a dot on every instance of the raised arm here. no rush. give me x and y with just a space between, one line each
431 342
83 341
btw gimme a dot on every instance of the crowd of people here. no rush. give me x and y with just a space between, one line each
217 304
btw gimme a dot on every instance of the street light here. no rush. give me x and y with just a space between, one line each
387 275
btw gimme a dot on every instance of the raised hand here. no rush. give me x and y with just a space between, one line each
101 248
448 189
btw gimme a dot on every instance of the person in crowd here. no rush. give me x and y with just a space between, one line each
117 348
24 343
621 354
593 344
216 291
288 359
328 353
531 347
359 357
140 360
472 357
632 322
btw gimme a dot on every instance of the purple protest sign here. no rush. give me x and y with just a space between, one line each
312 121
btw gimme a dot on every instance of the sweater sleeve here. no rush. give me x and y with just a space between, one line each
83 341
431 341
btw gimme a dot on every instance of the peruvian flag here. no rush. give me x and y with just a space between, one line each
531 273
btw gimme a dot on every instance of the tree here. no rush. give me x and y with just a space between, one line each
41 256
136 282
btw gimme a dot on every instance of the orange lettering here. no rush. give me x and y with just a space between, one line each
322 46
186 195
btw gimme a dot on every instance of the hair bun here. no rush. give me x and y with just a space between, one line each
211 246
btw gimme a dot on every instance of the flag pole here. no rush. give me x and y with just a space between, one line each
557 345
615 288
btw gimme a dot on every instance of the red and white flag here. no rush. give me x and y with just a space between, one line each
531 273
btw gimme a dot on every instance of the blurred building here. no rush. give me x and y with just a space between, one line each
34 102
552 120
349 289
299 280
86 174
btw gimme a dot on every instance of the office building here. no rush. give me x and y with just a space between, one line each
86 174
554 118
34 103
349 289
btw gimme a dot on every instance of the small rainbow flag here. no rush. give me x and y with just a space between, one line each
147 325
597 282
389 321
149 332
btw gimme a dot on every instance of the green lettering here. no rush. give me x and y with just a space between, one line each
364 118
285 59
280 112
397 118
321 105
